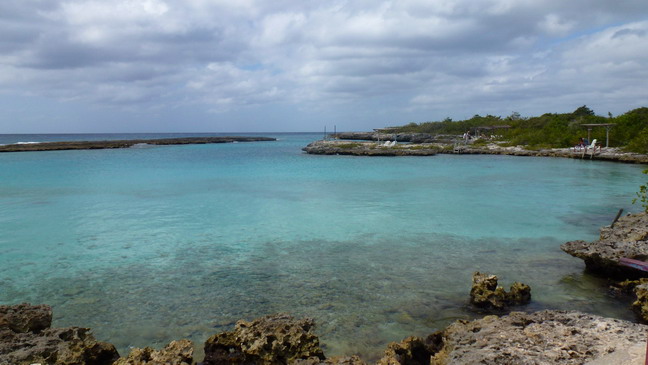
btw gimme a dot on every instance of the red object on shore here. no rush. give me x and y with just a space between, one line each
639 265
635 264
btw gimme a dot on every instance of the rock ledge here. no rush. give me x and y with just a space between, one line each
628 238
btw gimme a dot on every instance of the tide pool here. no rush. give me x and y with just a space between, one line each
147 245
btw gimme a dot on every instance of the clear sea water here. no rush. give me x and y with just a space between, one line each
147 245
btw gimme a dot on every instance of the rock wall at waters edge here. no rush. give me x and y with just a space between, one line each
399 137
628 238
547 337
366 149
26 338
449 144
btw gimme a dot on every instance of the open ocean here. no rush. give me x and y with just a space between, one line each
146 245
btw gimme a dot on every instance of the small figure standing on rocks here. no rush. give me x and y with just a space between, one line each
466 137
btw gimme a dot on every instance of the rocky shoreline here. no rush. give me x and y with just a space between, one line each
627 239
368 149
420 144
93 145
556 337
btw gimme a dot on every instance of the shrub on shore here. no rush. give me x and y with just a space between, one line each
642 195
549 130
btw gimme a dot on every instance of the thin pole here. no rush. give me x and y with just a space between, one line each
607 136
325 133
616 218
588 135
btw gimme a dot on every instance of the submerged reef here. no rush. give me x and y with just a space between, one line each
556 337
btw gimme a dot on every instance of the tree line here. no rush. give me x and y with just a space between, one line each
550 130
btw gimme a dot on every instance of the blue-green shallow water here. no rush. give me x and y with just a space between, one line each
146 245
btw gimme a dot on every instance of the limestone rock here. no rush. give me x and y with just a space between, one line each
55 346
25 317
486 294
25 338
641 304
369 149
638 288
546 337
275 339
628 238
519 294
175 353
412 350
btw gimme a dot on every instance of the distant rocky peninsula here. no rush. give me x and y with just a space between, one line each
93 145
422 144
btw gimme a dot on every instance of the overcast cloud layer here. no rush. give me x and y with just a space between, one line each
248 65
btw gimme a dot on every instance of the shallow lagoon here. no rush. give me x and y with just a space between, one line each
152 244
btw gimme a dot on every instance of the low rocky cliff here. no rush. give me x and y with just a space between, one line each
368 149
398 137
418 143
26 338
628 238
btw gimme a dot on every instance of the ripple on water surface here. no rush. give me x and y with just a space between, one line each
149 245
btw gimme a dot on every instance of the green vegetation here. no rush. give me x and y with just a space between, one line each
348 146
642 195
550 130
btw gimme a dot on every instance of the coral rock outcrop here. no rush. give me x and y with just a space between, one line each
628 238
412 350
276 339
25 338
486 294
175 353
546 337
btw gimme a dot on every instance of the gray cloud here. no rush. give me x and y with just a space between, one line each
431 60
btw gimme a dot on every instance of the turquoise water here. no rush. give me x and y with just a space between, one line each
146 245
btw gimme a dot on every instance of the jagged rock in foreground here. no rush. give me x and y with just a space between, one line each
412 350
25 338
175 353
547 337
640 290
24 317
275 339
487 295
628 238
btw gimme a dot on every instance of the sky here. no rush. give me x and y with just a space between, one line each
92 66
